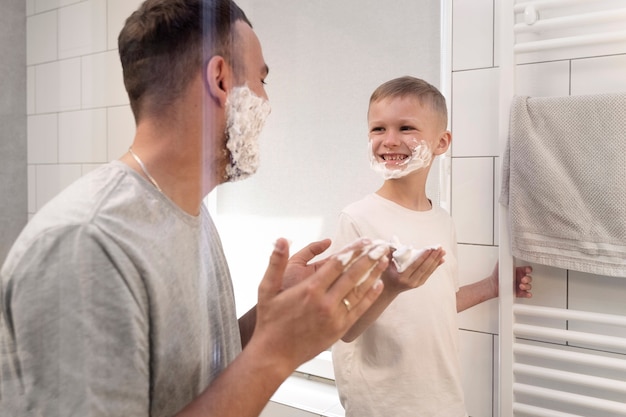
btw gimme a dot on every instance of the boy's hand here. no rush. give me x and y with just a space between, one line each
416 274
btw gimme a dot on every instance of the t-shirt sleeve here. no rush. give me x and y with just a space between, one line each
79 326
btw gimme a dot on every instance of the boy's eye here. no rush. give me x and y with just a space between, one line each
376 129
407 128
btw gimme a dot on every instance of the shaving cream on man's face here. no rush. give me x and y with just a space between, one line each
420 158
245 116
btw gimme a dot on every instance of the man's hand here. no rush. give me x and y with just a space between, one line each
294 324
298 267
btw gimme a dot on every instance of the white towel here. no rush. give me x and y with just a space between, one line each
564 181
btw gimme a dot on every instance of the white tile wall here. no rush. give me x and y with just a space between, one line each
472 199
41 38
102 80
599 75
472 24
78 109
82 136
57 86
82 28
543 79
474 113
42 139
476 354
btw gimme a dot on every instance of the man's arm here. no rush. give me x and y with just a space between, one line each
292 326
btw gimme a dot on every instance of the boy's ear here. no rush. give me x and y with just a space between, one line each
444 143
218 76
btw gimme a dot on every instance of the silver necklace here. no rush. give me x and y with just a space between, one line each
143 168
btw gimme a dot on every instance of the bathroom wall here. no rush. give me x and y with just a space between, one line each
475 177
12 123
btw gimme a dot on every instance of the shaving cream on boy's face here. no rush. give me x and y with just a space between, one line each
420 158
245 116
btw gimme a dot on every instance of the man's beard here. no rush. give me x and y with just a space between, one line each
245 116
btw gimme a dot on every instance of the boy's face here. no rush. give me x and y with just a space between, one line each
398 126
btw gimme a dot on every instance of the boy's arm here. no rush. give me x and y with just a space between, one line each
488 288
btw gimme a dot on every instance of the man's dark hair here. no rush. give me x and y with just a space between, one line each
165 43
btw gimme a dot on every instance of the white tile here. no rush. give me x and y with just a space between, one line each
120 131
474 113
476 263
82 136
599 75
472 34
82 28
117 13
41 38
543 79
472 199
30 90
57 86
476 352
102 80
42 139
32 192
51 179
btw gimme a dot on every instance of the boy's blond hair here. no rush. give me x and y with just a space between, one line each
408 86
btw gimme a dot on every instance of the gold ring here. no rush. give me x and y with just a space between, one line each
347 304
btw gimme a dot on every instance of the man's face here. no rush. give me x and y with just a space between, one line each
246 107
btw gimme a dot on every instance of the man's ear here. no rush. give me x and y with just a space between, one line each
218 75
444 143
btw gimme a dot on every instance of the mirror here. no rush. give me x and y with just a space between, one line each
326 57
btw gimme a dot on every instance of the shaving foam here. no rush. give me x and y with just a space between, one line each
246 115
420 158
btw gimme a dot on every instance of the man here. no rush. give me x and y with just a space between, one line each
116 299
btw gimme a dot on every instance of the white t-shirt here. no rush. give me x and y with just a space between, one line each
406 364
113 302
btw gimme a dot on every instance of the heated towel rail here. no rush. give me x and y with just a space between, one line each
555 362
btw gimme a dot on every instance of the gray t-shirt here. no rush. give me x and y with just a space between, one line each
113 302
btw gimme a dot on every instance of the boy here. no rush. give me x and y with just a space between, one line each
401 358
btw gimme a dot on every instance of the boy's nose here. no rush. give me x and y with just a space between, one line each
391 140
